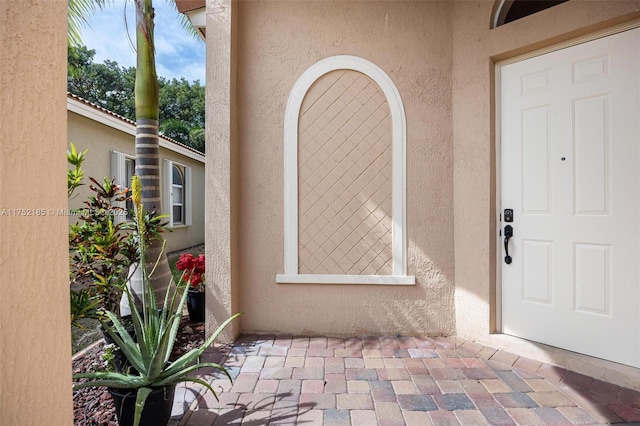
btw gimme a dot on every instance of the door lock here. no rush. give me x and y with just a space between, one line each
508 215
508 233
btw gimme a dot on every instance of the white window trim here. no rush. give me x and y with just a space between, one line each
119 173
167 186
398 122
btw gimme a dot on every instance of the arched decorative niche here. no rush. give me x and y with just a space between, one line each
505 11
344 177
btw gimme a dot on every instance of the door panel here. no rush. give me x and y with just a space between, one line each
535 172
591 121
536 271
569 168
593 283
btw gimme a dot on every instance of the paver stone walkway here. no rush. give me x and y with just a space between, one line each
284 380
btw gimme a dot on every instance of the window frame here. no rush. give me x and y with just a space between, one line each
167 193
177 187
502 9
119 173
398 120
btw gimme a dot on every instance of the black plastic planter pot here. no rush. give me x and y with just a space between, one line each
156 411
195 305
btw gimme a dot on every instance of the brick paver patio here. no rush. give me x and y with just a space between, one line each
284 380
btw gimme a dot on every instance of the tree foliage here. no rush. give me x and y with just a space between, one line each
112 87
107 85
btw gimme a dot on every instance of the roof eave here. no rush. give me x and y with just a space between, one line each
196 12
198 18
94 112
189 5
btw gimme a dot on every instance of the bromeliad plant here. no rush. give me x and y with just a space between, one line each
156 332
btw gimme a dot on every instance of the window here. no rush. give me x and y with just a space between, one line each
506 11
123 167
129 171
176 193
176 187
344 213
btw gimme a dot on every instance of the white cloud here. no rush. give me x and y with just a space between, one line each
178 53
164 47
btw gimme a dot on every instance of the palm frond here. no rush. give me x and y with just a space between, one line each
78 17
185 23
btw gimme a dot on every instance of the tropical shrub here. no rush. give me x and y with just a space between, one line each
155 330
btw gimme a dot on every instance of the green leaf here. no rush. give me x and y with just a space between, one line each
125 342
179 375
143 349
163 351
192 355
79 11
201 382
141 398
110 379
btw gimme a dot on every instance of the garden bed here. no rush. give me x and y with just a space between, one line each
93 406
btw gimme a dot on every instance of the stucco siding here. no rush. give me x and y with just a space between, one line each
411 43
101 140
35 337
441 56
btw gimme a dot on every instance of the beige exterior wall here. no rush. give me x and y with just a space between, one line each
441 56
221 206
278 42
35 338
100 140
476 48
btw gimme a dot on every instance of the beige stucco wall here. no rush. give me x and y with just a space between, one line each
278 42
441 56
35 339
100 140
475 49
221 203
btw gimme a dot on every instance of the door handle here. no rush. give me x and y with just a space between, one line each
508 233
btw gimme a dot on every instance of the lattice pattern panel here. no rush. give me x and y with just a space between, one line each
344 177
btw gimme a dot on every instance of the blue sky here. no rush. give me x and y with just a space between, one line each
178 53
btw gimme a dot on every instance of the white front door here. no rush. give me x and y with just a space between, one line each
570 163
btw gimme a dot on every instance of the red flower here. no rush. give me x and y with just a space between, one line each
194 268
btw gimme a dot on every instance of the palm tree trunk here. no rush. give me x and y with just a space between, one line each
148 147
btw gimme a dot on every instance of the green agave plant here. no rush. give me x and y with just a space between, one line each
156 331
